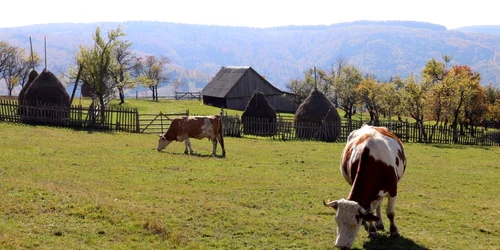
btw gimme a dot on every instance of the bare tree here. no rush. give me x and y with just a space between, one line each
151 71
335 73
121 75
15 66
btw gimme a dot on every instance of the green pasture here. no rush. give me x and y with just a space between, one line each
70 189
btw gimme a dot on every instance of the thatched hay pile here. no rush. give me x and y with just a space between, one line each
259 118
317 118
47 96
20 99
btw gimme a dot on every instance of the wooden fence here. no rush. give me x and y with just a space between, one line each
157 123
286 129
283 128
187 95
76 116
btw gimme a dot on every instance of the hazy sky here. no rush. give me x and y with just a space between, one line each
252 13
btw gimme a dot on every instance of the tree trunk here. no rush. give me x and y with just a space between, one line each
103 109
122 96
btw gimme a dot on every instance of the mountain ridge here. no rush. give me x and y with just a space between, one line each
281 54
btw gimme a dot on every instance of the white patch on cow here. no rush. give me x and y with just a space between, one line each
374 204
348 222
382 148
207 130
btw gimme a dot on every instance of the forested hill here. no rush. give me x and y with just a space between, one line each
281 54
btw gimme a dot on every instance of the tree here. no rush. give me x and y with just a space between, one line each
493 113
318 79
439 94
394 94
99 64
434 70
416 99
6 52
16 66
345 87
462 82
476 109
300 89
335 73
121 76
151 72
371 96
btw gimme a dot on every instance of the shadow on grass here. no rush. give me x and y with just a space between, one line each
387 243
196 155
452 146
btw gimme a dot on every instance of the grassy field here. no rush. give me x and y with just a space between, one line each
67 189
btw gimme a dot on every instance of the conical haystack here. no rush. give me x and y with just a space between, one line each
317 118
20 99
47 91
259 118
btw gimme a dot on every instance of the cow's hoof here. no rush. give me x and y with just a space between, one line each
185 152
379 226
212 155
372 235
395 234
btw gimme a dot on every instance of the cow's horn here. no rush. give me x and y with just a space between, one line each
362 210
330 203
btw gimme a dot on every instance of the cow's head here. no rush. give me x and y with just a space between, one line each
162 142
349 217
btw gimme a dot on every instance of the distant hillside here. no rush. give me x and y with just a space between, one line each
280 54
486 29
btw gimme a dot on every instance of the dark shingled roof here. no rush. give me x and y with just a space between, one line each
226 79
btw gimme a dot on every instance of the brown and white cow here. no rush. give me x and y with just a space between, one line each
199 127
373 161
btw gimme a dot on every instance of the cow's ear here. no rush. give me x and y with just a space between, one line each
369 217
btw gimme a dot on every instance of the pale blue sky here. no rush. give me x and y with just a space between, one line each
255 13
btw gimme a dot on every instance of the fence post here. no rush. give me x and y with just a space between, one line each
137 125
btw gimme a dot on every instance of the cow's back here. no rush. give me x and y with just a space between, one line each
379 152
202 126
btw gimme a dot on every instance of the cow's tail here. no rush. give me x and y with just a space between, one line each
221 132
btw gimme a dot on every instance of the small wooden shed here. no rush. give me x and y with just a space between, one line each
233 86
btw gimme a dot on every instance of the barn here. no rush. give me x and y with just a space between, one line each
233 86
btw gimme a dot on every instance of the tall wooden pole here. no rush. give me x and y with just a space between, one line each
76 84
32 60
45 44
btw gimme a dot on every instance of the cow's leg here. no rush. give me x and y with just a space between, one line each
379 224
221 142
372 229
188 145
390 211
214 148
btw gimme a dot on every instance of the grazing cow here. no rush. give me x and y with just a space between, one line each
199 127
373 162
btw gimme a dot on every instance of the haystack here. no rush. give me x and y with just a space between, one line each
317 118
47 91
31 78
259 118
20 99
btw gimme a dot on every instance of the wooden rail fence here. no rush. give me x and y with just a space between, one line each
283 128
